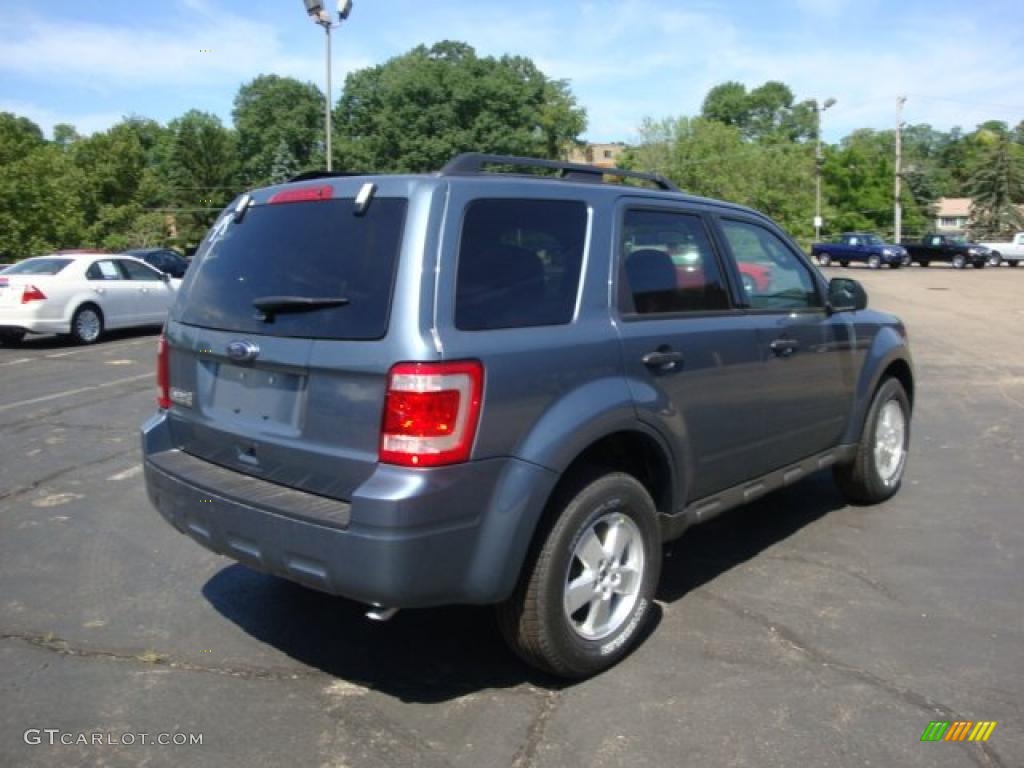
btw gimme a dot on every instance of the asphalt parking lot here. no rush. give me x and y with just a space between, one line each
797 631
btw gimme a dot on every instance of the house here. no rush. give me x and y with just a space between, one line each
952 214
601 155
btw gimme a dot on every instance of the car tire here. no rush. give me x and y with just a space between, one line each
1013 263
825 259
876 472
895 265
978 264
844 263
906 261
874 262
87 324
925 263
959 262
577 547
995 259
11 338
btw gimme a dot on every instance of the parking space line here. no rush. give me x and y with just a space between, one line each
105 347
17 361
70 392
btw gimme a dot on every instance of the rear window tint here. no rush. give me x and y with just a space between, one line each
37 267
519 263
311 250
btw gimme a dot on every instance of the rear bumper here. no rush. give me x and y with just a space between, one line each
30 317
407 538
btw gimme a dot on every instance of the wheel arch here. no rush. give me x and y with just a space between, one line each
889 356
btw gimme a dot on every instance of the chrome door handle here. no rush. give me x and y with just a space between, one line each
100 290
784 347
662 359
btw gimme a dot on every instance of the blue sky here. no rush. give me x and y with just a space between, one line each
89 63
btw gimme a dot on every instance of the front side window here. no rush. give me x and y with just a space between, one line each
777 278
669 264
137 271
519 263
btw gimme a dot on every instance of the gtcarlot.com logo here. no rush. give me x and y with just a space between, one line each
55 737
958 730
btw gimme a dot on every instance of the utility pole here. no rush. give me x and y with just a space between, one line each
897 207
819 160
315 10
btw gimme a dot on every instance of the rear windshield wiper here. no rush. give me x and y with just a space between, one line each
272 305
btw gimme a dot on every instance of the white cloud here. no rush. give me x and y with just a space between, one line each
207 49
85 123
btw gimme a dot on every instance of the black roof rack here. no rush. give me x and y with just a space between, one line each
307 175
473 163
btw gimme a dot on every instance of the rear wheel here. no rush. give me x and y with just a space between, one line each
825 259
586 590
844 263
978 264
995 259
874 262
87 324
11 337
924 263
876 472
959 262
1013 263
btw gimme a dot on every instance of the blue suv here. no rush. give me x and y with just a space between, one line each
509 383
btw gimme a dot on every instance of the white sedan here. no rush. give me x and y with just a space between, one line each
82 295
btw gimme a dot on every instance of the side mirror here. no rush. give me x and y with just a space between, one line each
165 277
846 295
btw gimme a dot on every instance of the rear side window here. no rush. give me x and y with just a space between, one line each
670 265
314 250
519 263
103 270
37 267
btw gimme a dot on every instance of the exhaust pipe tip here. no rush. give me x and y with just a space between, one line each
380 613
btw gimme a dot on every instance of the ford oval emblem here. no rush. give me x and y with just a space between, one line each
242 351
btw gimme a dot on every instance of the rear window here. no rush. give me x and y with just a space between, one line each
318 250
38 267
519 263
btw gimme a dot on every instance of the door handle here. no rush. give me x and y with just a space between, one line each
784 347
100 290
663 359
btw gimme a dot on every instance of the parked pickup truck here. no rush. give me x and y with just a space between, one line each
860 246
953 249
1012 252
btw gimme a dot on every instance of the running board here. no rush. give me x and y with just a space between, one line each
702 510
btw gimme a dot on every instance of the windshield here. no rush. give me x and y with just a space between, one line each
318 250
38 266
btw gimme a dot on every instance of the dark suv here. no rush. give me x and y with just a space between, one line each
481 387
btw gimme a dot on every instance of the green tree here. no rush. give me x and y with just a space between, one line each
416 111
41 203
272 111
768 113
18 137
202 170
284 166
997 186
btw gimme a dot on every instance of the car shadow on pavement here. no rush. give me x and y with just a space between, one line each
51 341
439 654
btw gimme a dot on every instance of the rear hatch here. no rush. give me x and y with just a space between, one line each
276 360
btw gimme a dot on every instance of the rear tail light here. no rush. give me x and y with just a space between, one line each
163 379
31 293
302 195
431 413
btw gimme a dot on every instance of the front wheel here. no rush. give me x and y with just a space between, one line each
924 263
876 472
825 259
978 264
995 259
874 262
587 589
1014 263
844 263
959 262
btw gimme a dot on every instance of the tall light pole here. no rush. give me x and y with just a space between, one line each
320 16
897 206
818 161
